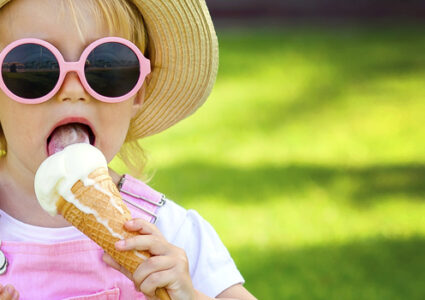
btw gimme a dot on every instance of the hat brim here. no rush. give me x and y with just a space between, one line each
183 50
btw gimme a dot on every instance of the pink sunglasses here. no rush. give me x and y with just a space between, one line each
111 69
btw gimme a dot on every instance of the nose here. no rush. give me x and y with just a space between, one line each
72 90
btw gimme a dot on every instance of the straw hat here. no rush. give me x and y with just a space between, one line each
183 51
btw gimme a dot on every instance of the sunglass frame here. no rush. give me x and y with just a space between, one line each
78 67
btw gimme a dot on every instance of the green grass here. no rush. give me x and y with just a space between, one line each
309 160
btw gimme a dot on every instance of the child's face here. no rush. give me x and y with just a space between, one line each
27 127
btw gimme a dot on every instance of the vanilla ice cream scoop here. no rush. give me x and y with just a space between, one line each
60 171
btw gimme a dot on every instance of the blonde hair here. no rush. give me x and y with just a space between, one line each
124 19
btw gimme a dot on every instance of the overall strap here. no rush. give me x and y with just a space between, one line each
142 200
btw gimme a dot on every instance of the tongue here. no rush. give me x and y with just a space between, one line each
66 135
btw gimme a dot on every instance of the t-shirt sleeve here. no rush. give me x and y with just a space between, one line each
212 269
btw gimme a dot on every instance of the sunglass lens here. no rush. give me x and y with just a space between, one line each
112 69
30 71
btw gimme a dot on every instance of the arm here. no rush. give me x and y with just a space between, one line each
236 292
232 293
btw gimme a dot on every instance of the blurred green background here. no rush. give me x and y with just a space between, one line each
309 160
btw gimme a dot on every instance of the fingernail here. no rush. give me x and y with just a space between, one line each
10 290
130 222
120 244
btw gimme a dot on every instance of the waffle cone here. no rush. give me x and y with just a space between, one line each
101 198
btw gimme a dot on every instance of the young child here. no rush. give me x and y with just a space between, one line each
105 100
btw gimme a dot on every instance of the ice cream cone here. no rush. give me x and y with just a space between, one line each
107 226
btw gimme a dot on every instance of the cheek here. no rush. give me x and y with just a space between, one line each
117 117
19 124
24 135
114 128
25 138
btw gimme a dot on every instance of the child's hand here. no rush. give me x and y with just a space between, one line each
8 292
168 267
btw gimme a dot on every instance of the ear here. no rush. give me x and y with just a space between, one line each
138 100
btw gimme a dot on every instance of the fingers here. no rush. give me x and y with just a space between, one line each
154 281
142 226
152 265
171 272
150 239
153 244
8 292
177 288
168 266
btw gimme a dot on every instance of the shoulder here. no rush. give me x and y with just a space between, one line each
186 228
175 222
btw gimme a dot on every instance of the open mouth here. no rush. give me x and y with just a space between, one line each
68 134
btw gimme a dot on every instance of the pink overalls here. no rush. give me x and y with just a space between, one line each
74 269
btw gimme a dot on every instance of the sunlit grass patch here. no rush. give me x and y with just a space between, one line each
309 160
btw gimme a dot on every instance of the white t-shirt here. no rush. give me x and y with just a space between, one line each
211 267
